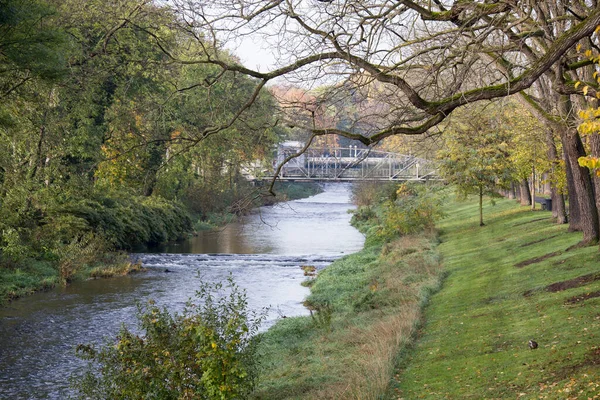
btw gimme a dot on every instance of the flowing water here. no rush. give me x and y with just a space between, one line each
263 253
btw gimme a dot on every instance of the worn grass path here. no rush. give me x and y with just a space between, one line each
496 297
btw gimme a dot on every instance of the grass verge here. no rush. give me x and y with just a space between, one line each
508 282
365 308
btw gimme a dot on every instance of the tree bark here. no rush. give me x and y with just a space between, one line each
594 141
512 191
36 160
558 200
533 193
573 211
525 194
582 185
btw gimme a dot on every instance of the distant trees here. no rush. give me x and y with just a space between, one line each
427 59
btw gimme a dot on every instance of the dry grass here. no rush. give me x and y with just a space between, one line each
120 269
377 299
375 361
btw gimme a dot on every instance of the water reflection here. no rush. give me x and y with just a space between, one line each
316 225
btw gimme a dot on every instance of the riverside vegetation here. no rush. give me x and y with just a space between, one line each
106 144
206 352
519 278
80 237
486 291
365 307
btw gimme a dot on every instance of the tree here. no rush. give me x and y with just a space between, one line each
476 154
95 115
430 58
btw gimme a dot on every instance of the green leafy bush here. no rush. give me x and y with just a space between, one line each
416 209
126 221
206 352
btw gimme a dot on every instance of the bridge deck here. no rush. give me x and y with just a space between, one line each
351 164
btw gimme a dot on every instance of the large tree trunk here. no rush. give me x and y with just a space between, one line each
574 211
533 193
512 192
594 141
583 191
525 193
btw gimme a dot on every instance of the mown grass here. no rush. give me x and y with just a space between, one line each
474 343
365 307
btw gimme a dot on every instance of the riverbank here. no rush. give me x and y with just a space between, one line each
519 278
365 308
38 275
130 222
514 280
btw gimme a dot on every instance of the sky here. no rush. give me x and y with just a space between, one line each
253 54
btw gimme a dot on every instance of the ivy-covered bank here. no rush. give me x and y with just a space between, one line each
365 307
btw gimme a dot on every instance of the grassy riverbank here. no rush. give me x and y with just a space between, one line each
39 275
365 308
515 279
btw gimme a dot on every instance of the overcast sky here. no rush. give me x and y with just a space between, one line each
253 55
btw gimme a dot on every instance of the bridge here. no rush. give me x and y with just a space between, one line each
351 164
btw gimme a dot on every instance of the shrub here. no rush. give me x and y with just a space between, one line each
80 251
206 352
415 209
370 193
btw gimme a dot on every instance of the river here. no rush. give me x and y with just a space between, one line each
263 253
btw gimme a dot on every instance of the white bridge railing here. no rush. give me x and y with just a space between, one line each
351 163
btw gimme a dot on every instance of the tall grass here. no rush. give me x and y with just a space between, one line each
374 298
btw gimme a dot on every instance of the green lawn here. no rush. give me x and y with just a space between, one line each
474 342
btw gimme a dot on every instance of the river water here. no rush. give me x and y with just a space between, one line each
263 253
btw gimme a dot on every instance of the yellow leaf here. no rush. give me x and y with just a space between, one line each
579 46
585 90
595 74
588 53
577 84
597 29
